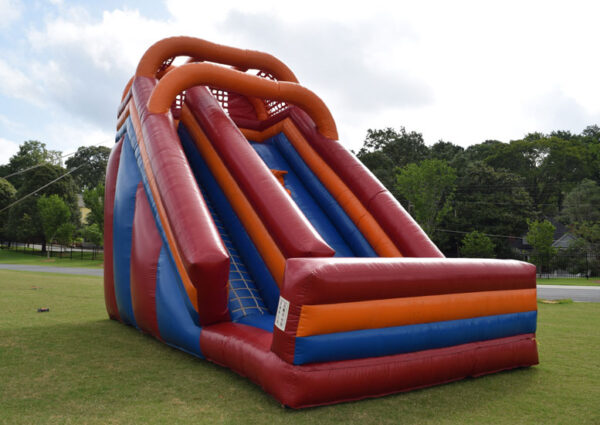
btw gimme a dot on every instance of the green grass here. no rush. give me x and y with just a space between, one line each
570 281
74 366
18 257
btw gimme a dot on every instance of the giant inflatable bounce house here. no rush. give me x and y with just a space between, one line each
238 229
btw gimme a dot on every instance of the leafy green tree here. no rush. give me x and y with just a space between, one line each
65 233
490 201
93 160
54 214
384 150
428 189
541 236
7 196
477 245
445 151
94 200
93 234
31 152
582 204
24 223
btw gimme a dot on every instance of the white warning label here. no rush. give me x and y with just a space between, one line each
282 313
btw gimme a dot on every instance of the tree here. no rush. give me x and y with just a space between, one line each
94 200
31 152
477 245
93 160
445 151
384 150
541 236
7 196
93 234
54 214
428 189
490 201
582 204
24 223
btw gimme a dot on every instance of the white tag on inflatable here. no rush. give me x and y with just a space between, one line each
282 313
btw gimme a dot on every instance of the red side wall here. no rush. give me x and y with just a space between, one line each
109 203
245 349
310 281
204 256
145 249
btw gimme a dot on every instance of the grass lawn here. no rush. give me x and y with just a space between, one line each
16 257
572 281
73 365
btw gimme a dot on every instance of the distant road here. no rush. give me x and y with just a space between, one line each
548 292
590 294
52 269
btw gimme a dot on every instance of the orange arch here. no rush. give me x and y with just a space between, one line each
207 51
193 74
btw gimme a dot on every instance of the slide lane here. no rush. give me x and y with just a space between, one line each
253 291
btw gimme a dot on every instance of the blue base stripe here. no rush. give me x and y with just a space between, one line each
407 339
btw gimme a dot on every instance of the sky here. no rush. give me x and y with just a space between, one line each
459 71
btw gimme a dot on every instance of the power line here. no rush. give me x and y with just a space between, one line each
44 163
486 234
43 187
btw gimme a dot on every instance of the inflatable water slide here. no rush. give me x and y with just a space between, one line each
238 229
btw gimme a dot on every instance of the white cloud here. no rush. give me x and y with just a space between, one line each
14 83
7 149
462 71
10 10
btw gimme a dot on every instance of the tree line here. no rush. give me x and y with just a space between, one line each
40 195
473 202
478 201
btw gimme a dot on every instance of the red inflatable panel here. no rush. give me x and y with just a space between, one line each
255 124
109 203
145 249
410 239
325 281
204 255
293 233
245 349
240 106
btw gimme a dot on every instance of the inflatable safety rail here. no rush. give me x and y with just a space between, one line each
238 229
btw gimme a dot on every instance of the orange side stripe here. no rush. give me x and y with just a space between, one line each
365 222
343 317
187 283
265 244
123 116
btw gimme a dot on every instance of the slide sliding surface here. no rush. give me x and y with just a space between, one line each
238 229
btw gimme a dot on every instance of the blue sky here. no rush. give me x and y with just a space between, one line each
464 71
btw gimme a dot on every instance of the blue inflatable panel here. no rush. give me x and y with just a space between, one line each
346 227
302 197
159 226
249 272
406 339
262 321
128 178
176 326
